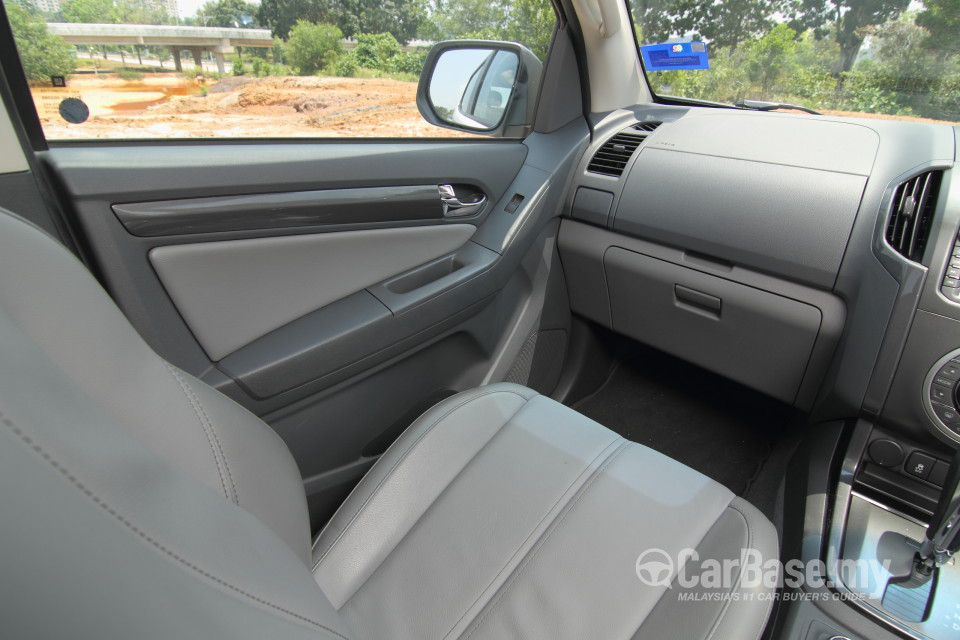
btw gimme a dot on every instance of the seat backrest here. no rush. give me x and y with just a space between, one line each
135 501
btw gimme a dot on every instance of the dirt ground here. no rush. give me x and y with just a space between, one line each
171 106
166 106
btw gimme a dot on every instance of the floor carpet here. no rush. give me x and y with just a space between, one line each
720 428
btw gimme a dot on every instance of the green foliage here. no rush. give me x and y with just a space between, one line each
141 12
866 89
279 57
96 11
346 66
529 22
42 53
945 100
228 13
847 20
941 18
129 75
401 18
770 60
374 51
311 46
408 62
392 75
378 56
724 24
902 73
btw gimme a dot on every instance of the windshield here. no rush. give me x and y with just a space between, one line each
895 59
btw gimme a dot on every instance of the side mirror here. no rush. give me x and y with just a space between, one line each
480 86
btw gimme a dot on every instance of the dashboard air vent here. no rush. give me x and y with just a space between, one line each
646 126
612 157
911 213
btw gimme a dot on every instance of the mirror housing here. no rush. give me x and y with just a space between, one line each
473 79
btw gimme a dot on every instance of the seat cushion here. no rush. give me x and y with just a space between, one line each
501 513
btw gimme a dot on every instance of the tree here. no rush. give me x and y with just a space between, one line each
401 18
95 11
142 12
467 17
42 53
733 22
312 46
374 51
770 59
228 13
848 21
724 24
654 19
529 22
942 19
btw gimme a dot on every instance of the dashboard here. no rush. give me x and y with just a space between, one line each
815 259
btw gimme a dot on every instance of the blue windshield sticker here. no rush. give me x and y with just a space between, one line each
675 56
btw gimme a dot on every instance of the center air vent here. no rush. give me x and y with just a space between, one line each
612 157
911 213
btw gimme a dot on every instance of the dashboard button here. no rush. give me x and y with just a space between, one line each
950 371
947 382
951 283
919 465
938 475
947 414
941 394
886 453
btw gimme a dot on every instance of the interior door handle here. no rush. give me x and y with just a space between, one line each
453 206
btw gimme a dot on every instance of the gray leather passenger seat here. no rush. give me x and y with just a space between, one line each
136 502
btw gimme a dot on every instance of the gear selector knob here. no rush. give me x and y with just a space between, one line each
943 534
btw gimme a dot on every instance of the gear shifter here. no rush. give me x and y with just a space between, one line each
909 597
943 534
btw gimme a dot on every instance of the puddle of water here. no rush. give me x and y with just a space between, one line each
133 106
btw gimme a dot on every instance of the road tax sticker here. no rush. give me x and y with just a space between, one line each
671 56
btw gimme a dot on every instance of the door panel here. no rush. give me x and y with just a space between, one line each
320 285
233 292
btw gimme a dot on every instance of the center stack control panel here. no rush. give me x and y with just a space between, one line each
941 400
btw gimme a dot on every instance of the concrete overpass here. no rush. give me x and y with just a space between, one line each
221 41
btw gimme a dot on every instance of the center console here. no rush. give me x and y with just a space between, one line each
888 499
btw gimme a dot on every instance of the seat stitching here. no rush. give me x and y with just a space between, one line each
216 439
586 469
49 459
542 543
203 426
403 457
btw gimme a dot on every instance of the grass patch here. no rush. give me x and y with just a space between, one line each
392 75
128 74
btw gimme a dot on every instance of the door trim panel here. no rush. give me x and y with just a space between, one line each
230 293
281 210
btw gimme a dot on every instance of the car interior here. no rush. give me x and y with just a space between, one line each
462 387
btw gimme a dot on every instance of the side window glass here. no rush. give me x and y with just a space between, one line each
148 69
